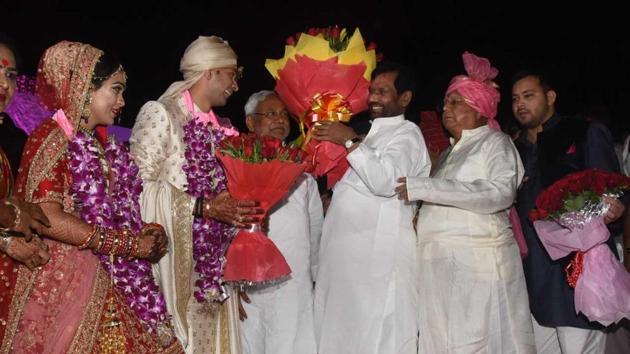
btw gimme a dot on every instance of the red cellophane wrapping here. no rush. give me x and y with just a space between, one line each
252 258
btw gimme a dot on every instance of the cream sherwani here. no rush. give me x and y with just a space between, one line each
158 148
472 294
366 294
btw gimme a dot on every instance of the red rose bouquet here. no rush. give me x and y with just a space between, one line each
569 218
324 75
262 169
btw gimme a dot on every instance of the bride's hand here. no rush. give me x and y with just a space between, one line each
152 243
32 254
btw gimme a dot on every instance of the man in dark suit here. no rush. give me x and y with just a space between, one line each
552 146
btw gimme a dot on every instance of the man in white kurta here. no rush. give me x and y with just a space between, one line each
472 294
366 287
280 318
158 147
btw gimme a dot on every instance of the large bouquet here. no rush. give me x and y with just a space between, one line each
569 218
324 75
262 169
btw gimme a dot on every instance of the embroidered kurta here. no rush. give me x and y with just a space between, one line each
366 295
280 318
158 147
472 292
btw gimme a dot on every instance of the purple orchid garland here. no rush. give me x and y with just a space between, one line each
211 238
119 209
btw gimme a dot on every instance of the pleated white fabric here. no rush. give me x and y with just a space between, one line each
472 293
366 294
280 318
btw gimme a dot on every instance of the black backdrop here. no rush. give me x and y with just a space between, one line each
585 48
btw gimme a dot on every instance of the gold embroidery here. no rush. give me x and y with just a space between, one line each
49 152
224 327
204 325
85 337
69 65
51 196
23 286
183 251
135 338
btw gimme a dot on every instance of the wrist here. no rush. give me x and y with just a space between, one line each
4 243
91 239
12 223
207 208
198 207
349 143
6 215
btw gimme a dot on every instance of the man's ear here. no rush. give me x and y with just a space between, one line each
405 98
249 122
207 74
551 97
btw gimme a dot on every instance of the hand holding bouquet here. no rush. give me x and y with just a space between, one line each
261 169
569 218
324 75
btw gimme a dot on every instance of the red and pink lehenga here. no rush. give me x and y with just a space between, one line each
65 306
69 305
7 267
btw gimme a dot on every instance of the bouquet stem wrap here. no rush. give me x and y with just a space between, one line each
252 258
602 290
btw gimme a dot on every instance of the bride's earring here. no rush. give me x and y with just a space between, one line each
85 114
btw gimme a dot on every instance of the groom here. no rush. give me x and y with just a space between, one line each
174 197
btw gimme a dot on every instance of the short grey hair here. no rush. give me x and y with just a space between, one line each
255 99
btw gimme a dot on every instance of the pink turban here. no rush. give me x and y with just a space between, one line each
478 89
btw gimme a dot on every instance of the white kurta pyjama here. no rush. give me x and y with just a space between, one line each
280 318
366 294
472 293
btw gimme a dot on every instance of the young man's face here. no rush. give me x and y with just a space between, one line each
223 83
531 105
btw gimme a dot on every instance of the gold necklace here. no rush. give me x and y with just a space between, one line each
101 152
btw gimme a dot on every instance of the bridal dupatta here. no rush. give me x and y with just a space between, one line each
62 307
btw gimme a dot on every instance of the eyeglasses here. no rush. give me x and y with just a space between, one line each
237 73
272 114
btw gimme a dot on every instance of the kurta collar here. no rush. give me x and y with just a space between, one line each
388 120
469 133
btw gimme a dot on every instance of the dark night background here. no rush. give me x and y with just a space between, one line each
585 49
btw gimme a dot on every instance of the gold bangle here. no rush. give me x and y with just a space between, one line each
88 239
4 243
18 216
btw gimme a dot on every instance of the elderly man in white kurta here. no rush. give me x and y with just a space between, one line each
159 146
366 287
279 319
472 295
